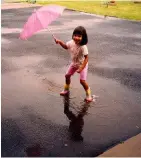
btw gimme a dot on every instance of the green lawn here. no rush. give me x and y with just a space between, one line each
125 10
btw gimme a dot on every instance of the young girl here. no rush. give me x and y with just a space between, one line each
79 56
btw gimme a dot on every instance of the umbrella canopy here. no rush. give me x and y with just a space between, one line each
40 19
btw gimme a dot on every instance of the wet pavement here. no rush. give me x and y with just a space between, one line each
36 120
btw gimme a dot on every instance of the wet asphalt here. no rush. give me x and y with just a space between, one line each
36 120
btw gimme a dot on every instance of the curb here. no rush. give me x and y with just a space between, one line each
6 6
130 148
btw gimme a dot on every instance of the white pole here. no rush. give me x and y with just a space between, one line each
51 33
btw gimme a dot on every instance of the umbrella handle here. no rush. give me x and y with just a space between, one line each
51 33
53 36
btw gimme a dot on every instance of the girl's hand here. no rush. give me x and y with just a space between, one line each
79 69
57 41
61 43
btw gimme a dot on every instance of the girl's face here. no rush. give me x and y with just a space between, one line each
77 38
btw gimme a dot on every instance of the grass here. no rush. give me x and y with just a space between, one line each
125 10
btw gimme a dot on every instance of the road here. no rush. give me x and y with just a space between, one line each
36 120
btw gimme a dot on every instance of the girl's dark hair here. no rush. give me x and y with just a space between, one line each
80 30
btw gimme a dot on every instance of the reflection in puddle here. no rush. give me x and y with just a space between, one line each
33 151
76 121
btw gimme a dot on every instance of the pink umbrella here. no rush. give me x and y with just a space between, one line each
40 19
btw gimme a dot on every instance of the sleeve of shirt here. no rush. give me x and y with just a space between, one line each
85 50
69 44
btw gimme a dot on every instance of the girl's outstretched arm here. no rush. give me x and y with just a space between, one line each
84 64
61 43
